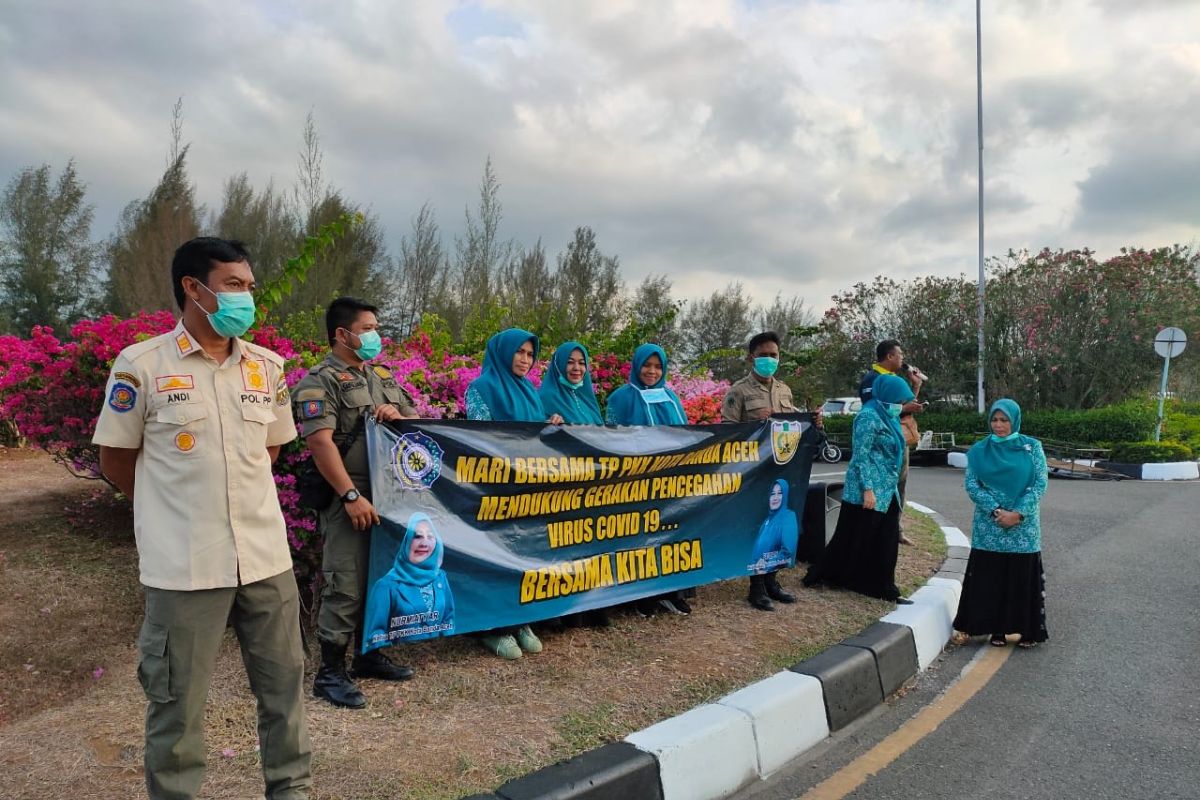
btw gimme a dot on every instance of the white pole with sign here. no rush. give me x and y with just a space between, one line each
1168 343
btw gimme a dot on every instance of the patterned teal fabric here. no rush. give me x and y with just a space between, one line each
477 409
875 463
1025 536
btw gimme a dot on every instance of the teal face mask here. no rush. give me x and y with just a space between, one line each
1008 438
766 366
369 344
894 408
562 379
234 315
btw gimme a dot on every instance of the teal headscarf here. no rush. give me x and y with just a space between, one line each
576 405
1004 465
889 389
638 404
404 571
509 398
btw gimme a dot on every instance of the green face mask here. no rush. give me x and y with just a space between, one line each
766 366
894 408
234 315
369 344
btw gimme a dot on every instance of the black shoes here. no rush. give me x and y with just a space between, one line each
376 665
775 591
332 684
759 598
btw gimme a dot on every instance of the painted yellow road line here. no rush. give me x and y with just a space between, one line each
974 677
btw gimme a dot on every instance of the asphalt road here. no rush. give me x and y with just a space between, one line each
1108 708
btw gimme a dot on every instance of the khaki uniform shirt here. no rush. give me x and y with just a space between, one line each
205 511
337 396
750 400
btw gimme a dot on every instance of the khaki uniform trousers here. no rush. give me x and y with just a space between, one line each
178 645
344 562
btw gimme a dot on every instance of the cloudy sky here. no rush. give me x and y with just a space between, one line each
795 146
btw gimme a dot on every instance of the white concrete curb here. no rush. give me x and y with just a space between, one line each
715 749
787 711
1173 471
708 752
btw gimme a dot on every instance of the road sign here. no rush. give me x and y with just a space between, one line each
1170 342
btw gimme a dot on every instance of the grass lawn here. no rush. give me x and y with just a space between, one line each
71 709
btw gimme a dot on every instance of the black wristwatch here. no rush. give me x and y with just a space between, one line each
350 496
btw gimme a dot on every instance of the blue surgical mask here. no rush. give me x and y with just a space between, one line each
234 315
658 395
766 366
369 345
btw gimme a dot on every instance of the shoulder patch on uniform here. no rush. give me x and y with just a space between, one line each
382 372
311 409
128 377
282 396
263 352
122 397
309 393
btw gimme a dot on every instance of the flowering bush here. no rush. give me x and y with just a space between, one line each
51 391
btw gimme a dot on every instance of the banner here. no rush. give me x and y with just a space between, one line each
492 524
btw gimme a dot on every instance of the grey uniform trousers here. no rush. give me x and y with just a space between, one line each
178 647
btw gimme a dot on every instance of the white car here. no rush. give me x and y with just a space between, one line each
842 405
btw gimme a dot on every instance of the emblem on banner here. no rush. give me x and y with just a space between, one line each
416 460
785 439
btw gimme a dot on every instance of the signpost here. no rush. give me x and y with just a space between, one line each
1169 343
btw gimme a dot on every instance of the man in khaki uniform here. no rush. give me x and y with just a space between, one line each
332 402
756 397
191 423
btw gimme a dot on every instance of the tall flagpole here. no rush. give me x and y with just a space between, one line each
979 125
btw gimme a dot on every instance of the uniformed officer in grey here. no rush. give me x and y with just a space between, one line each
191 423
332 402
756 397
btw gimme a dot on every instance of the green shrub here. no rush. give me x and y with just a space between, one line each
1131 421
1150 452
1183 428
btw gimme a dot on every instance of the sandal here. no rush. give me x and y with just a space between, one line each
1027 645
998 640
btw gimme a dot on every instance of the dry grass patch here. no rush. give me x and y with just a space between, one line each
467 723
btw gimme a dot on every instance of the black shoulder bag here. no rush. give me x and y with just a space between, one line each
315 492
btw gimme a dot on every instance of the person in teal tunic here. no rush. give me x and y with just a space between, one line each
567 386
412 601
775 545
1004 589
646 399
504 393
862 553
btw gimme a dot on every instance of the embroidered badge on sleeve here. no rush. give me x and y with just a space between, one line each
311 409
122 397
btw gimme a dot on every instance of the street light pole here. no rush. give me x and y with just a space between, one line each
979 128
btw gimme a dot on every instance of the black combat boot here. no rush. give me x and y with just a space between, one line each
775 591
758 594
376 665
332 683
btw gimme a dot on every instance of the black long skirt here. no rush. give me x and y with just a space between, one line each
861 556
1003 593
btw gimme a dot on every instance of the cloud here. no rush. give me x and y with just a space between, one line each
797 147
